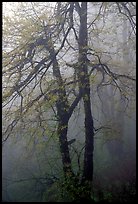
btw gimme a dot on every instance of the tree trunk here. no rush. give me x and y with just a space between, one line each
84 87
63 109
66 161
62 114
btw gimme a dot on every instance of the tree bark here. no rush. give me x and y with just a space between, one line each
64 111
62 107
84 88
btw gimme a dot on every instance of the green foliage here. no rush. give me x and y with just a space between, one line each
52 194
38 131
93 79
73 190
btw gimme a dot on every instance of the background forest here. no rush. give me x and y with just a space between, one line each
68 90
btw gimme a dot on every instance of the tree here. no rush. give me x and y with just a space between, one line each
35 47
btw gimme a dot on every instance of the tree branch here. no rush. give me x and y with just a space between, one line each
74 104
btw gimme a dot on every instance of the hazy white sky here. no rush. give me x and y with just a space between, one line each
9 6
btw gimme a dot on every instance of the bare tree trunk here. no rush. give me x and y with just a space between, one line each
84 87
62 114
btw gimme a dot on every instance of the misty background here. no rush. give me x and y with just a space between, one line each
31 161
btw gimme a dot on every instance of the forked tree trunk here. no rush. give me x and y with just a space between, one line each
63 107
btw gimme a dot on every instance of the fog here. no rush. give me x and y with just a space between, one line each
26 169
31 158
